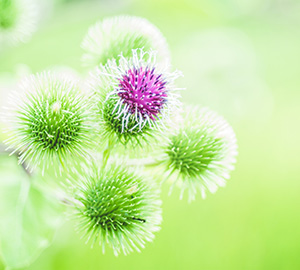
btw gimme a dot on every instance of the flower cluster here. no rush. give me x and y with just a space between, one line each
128 103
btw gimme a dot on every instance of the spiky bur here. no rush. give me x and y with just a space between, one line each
133 99
116 208
200 154
50 121
107 39
18 21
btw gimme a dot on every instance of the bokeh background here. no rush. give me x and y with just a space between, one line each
240 58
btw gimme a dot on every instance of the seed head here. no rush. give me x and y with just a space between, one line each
200 154
107 39
116 208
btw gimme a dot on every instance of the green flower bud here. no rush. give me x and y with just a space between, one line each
50 121
107 39
200 154
116 207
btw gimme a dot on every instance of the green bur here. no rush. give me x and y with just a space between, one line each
110 37
52 122
117 208
8 14
191 151
54 129
200 152
125 44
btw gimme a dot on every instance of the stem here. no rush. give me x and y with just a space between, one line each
106 152
143 162
23 197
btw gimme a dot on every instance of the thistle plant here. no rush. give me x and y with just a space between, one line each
51 121
134 98
116 207
200 153
131 100
107 39
18 21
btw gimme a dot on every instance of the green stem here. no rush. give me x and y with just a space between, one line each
23 197
106 152
148 163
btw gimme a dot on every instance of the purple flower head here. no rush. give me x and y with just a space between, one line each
144 91
138 91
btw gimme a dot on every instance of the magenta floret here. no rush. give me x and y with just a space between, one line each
143 91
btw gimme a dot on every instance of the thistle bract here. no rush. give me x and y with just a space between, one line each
50 122
18 20
116 208
107 39
134 98
200 154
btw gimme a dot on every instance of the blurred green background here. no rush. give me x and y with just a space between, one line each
242 59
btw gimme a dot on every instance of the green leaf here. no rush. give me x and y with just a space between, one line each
28 217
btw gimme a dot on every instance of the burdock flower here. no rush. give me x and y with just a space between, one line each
133 98
49 121
200 154
108 38
18 21
116 208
